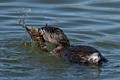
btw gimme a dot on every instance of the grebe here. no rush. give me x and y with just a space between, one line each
63 49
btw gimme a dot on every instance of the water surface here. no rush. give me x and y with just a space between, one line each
89 22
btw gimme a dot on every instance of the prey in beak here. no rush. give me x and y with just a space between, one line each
35 35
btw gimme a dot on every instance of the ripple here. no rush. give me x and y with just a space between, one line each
56 2
112 31
107 4
10 73
108 44
70 9
89 22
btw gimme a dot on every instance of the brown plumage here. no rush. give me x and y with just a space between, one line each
74 54
55 36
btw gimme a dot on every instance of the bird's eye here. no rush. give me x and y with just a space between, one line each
42 31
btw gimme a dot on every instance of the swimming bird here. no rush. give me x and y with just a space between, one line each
63 49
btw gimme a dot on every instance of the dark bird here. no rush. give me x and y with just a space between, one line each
63 49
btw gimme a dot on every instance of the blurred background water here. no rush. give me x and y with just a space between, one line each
89 22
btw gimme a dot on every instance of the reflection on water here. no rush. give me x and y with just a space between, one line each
89 22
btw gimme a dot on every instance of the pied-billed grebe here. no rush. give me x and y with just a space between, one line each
75 54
